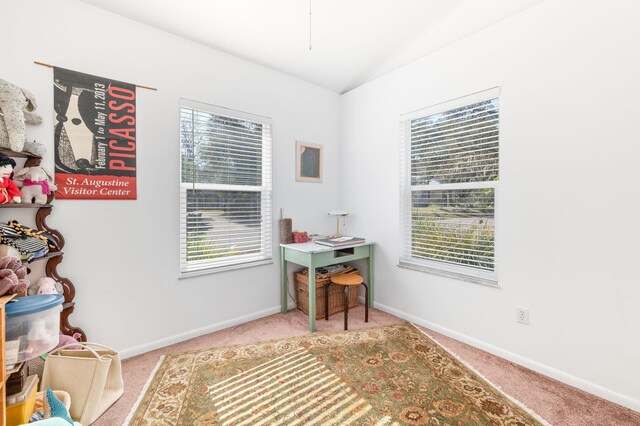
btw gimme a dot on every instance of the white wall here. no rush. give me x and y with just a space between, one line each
567 224
567 206
123 255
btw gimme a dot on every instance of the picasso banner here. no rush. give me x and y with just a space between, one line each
94 136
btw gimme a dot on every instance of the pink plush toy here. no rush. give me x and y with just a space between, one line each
46 285
65 340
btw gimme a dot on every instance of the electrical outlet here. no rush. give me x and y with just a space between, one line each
522 315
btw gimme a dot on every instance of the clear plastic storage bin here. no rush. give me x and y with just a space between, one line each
32 326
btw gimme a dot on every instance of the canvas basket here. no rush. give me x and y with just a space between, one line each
92 376
336 293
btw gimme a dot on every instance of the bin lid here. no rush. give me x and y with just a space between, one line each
24 394
32 304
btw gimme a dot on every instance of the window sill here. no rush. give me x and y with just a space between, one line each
490 282
217 269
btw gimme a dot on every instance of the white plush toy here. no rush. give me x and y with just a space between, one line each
38 331
36 184
17 106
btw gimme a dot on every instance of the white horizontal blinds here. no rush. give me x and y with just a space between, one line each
405 189
459 145
451 167
226 189
454 226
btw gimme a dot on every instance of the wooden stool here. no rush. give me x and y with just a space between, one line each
347 281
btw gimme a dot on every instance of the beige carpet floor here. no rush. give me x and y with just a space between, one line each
556 402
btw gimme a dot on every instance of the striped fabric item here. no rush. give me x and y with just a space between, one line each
31 244
30 232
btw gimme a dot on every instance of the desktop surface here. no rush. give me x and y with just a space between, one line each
311 247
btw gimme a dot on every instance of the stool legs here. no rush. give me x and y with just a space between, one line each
346 307
326 301
366 302
346 303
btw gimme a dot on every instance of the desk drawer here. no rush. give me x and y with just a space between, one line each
340 255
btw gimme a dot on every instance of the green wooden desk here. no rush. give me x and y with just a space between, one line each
313 256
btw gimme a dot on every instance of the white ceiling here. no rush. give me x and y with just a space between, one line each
352 41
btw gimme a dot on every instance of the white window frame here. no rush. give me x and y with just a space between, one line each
202 267
464 273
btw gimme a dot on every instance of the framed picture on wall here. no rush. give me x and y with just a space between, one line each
308 162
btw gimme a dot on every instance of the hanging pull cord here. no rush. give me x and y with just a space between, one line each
310 25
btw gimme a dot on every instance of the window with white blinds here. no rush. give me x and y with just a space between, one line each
225 188
449 175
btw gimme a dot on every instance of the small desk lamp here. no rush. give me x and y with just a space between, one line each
338 214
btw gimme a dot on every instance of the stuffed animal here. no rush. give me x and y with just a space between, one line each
37 184
63 339
17 106
41 337
38 331
46 285
8 189
12 276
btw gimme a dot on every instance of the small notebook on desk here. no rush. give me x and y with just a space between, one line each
339 241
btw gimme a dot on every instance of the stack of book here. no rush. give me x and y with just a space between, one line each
339 241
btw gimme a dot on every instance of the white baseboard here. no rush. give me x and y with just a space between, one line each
177 338
559 375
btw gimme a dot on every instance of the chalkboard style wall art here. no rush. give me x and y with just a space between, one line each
308 162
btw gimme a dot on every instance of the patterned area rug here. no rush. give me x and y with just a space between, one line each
391 375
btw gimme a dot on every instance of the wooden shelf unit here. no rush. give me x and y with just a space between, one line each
53 259
25 206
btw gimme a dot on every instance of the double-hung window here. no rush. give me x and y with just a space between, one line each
225 189
449 176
